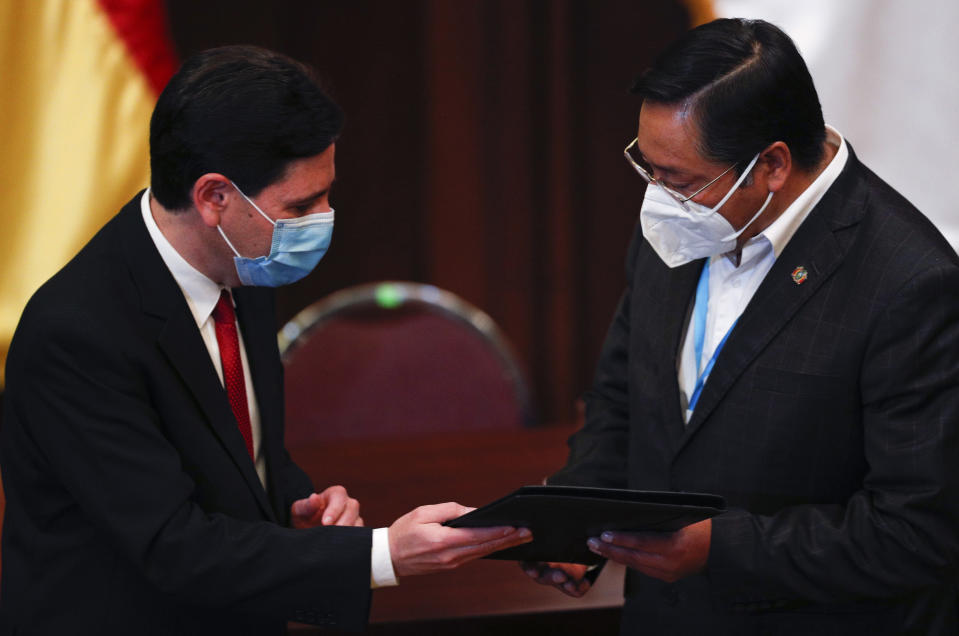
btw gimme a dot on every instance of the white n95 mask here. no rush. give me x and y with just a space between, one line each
681 233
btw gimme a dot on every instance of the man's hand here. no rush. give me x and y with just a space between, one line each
565 577
664 556
332 507
419 544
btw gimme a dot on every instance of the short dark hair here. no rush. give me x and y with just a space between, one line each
746 86
242 111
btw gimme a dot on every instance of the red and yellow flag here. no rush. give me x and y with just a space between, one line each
80 79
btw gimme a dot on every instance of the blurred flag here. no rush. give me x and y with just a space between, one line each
80 79
885 76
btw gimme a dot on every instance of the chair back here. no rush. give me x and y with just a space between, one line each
397 358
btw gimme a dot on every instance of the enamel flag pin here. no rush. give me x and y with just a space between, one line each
800 275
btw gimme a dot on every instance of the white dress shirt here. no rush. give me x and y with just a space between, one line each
731 287
201 295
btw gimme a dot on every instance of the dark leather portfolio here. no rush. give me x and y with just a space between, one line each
562 518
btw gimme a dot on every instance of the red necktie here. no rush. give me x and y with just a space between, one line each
229 343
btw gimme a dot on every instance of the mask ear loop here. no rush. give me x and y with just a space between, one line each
735 187
255 207
223 234
755 216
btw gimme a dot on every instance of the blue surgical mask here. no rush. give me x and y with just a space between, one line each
297 246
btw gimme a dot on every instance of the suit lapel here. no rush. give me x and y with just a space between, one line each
815 247
673 315
255 314
179 339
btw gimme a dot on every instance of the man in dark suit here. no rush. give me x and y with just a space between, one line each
789 339
148 488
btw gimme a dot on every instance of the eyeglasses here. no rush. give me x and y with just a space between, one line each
647 174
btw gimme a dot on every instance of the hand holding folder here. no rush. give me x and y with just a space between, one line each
563 518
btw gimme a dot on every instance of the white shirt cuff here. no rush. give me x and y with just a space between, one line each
381 563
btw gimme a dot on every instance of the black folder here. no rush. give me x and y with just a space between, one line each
562 518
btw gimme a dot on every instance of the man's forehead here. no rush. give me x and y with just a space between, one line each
668 137
308 172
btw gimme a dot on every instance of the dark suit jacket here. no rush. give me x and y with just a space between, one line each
830 423
132 505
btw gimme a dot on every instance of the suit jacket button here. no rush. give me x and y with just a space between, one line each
670 594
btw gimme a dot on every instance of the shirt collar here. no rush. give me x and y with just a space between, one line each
783 228
200 292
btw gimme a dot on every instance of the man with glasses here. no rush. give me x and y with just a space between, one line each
789 339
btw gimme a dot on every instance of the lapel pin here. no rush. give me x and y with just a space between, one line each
800 275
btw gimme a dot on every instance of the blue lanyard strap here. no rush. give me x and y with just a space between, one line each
699 315
699 335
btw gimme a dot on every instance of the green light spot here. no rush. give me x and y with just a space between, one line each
388 296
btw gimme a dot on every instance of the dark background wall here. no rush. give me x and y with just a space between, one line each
482 153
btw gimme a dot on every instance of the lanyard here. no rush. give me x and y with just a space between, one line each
699 335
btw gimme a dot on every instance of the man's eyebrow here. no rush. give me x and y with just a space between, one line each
665 170
658 168
311 197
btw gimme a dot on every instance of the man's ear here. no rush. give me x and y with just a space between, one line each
211 194
775 164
